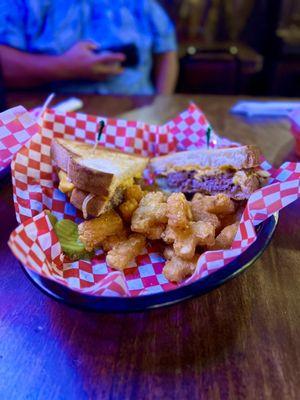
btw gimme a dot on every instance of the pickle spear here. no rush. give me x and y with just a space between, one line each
67 233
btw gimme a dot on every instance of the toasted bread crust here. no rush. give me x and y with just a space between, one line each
83 178
96 205
242 157
89 180
67 156
60 155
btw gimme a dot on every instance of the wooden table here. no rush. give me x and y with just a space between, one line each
240 341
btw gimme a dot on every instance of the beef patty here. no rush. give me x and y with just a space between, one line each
186 182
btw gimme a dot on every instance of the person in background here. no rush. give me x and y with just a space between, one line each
54 43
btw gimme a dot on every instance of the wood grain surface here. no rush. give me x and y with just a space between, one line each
240 341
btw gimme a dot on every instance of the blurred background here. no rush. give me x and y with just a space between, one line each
238 46
249 47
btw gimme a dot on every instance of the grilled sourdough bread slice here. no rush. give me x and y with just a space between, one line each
232 171
242 157
94 178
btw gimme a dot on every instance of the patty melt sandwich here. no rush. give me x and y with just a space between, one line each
232 171
94 178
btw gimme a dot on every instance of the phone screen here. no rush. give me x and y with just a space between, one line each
129 50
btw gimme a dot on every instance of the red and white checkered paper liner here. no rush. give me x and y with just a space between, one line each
34 242
16 128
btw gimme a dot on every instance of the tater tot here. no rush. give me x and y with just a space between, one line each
168 235
154 232
125 252
127 209
218 204
205 216
204 232
111 241
134 192
168 252
176 269
200 234
185 244
179 211
185 241
150 218
93 232
230 219
227 220
225 238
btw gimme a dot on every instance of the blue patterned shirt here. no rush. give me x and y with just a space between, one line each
52 27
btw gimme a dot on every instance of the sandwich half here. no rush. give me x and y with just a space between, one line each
232 171
94 178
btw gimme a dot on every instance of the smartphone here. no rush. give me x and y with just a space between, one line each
129 50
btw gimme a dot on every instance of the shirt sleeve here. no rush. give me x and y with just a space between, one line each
164 37
12 24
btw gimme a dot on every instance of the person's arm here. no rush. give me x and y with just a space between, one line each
165 60
165 72
22 69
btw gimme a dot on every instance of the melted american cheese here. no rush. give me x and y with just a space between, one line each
65 185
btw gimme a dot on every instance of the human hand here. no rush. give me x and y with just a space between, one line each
81 62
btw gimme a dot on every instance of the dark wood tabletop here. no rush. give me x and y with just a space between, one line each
240 341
